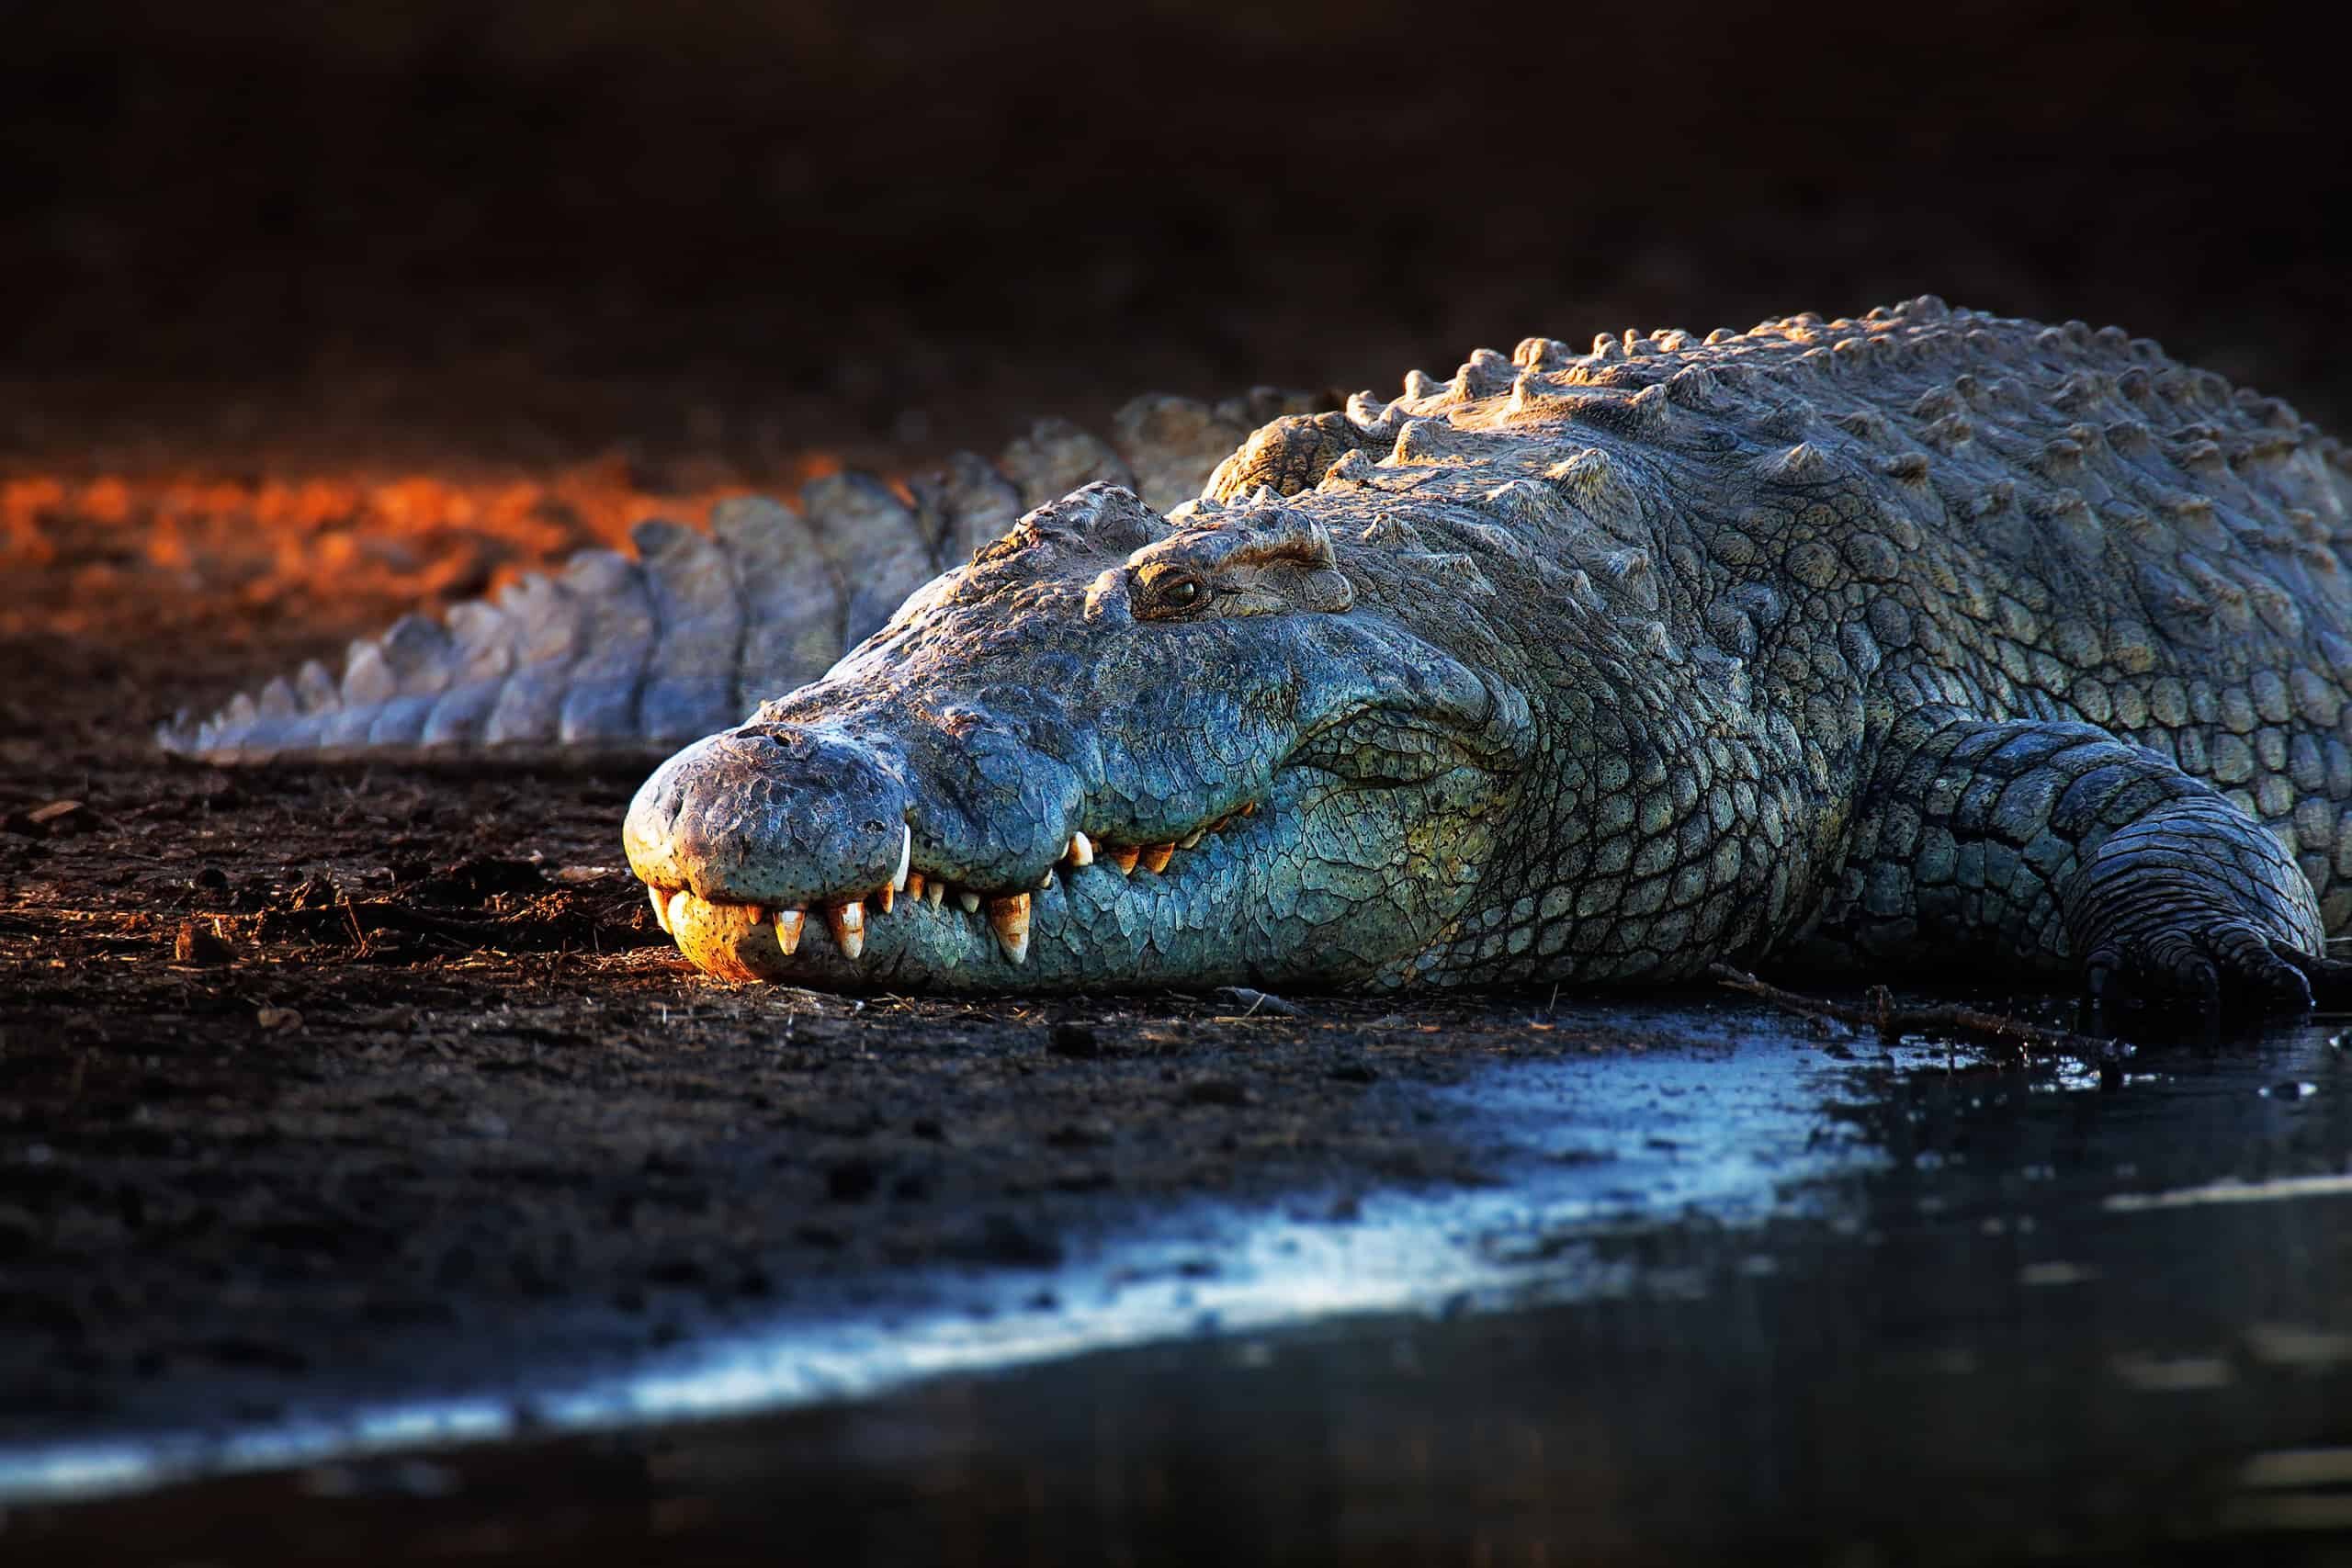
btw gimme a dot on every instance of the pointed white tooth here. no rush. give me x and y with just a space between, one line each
916 885
847 922
788 924
1008 917
1045 881
968 900
681 905
936 892
1189 839
906 858
1157 856
1082 849
1125 857
886 899
661 908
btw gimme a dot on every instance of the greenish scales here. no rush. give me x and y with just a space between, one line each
1924 638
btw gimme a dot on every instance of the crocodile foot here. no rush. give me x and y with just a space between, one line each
2231 967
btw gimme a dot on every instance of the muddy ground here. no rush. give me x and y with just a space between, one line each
319 1082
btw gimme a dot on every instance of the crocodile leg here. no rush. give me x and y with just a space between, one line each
2060 845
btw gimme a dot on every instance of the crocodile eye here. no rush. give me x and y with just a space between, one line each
1174 593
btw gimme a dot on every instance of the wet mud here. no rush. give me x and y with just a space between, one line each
321 1082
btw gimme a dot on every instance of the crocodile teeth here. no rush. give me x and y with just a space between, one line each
788 924
916 885
660 908
1045 881
1009 919
680 906
1082 849
847 922
936 892
1189 839
1250 809
969 900
886 898
906 859
1157 856
1123 857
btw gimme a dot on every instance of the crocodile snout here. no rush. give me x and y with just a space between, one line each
772 815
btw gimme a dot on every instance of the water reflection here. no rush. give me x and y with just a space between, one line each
1747 1290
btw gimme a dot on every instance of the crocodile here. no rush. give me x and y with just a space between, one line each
1926 638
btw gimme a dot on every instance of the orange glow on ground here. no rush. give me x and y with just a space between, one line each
292 543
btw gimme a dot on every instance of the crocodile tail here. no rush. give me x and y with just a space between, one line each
627 656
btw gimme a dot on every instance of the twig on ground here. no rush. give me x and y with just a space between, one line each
1892 1023
1256 1003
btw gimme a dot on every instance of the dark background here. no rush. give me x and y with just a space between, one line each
542 228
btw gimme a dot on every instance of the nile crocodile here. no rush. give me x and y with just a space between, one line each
1925 637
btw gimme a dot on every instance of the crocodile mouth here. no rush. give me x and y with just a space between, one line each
746 941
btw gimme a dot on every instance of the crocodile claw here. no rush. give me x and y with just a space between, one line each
2230 971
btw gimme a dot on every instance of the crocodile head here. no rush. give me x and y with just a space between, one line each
1108 753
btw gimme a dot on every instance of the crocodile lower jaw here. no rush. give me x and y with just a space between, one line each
752 941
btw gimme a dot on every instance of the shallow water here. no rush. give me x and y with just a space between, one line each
1746 1292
